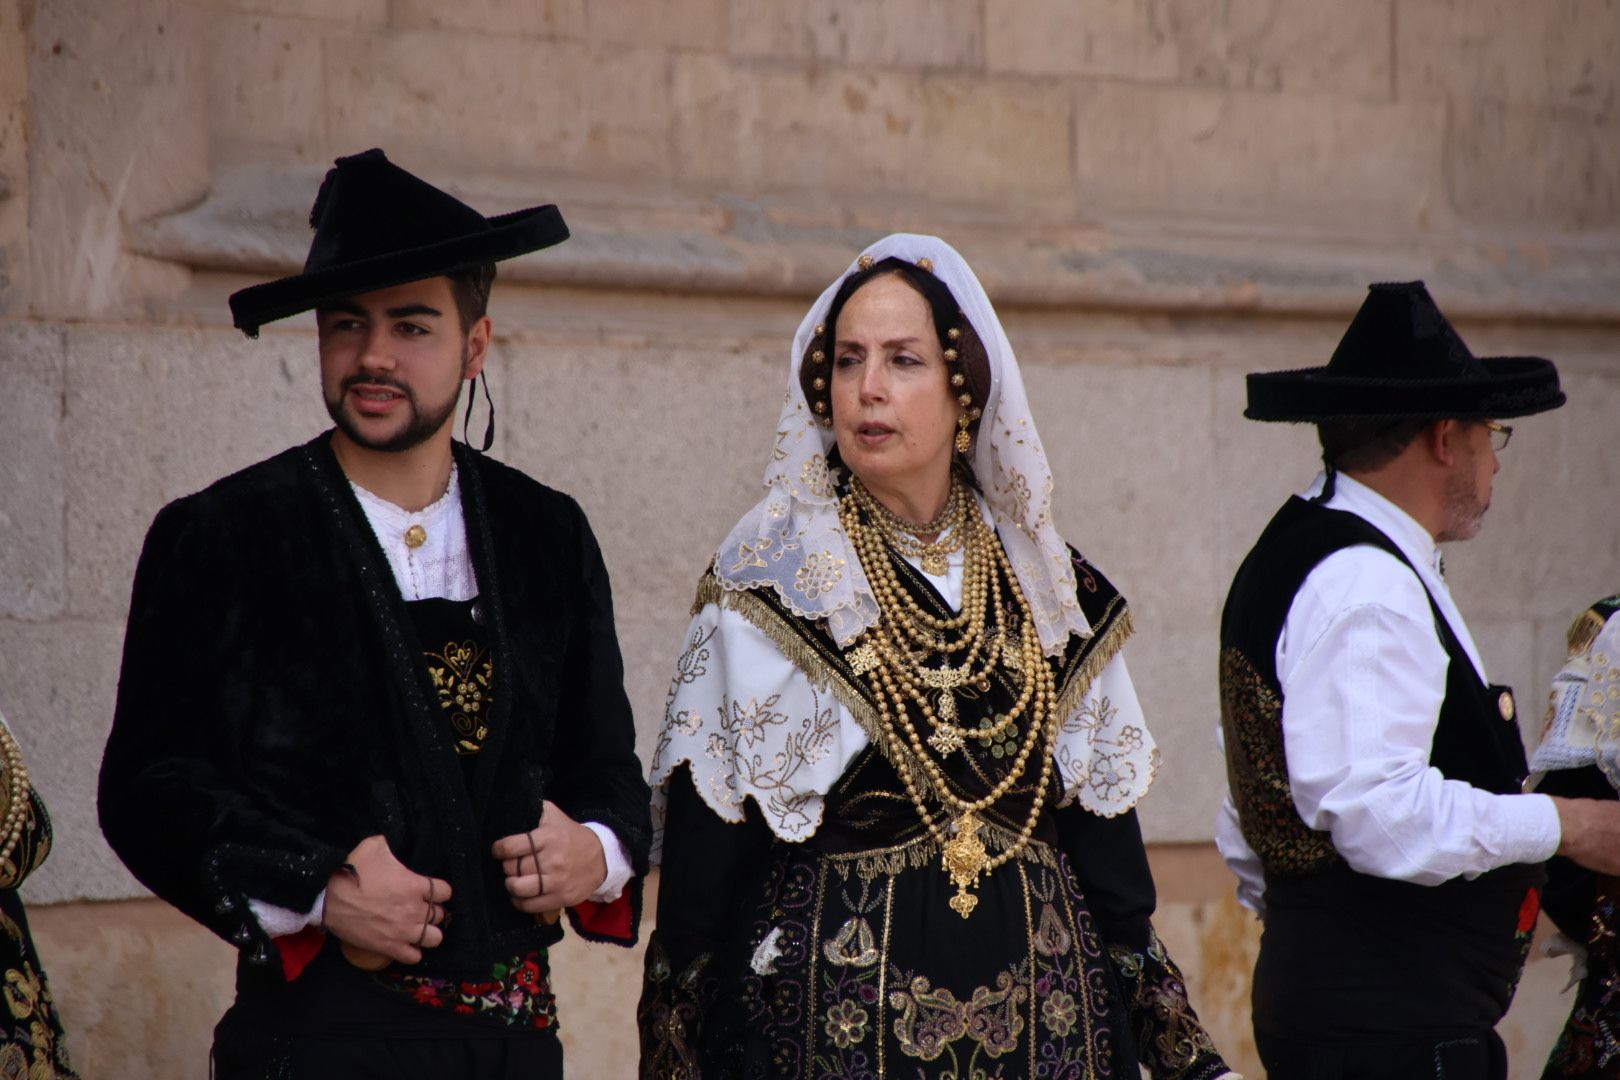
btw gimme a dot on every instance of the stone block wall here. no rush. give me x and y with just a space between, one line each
1159 194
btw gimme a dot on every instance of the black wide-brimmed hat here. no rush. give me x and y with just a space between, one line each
1401 360
378 226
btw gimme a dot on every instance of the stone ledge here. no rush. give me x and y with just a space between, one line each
628 236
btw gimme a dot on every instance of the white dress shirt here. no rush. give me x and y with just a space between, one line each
439 568
1363 676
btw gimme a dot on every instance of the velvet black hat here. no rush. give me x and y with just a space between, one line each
377 226
1401 360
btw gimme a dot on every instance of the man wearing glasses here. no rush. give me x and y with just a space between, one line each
1375 818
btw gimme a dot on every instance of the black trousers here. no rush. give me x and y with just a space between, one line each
241 1053
1477 1057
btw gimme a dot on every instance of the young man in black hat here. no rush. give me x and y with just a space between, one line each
371 726
1374 815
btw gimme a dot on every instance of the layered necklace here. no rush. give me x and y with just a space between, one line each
973 644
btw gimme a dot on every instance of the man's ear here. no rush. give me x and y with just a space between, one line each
477 347
1444 441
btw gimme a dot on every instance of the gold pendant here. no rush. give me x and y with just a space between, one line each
934 563
964 858
945 741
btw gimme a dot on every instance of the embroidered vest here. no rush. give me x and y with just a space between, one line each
1345 954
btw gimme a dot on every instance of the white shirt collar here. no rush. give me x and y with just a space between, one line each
1415 542
441 565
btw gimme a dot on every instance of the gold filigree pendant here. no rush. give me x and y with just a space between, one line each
934 563
946 741
964 858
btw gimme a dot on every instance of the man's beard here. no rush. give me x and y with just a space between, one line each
1464 513
421 426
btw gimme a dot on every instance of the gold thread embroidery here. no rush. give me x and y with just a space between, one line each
464 679
1251 717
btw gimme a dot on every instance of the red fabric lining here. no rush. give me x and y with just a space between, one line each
607 920
297 950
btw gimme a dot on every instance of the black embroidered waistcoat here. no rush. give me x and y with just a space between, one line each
274 707
1346 954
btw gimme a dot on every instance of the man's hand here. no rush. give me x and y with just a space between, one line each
1590 833
553 866
383 906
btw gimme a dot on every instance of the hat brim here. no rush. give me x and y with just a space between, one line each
510 235
1512 386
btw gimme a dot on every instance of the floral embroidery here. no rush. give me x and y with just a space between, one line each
22 991
854 944
1111 776
820 572
1251 718
687 721
1170 1038
32 1039
464 677
1051 936
1589 1045
517 994
692 664
846 1024
931 1019
749 722
1060 1013
817 478
671 1004
749 552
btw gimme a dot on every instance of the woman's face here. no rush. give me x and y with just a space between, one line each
894 415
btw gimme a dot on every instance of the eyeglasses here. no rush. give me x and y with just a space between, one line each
1501 435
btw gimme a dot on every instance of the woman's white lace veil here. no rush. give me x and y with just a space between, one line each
791 540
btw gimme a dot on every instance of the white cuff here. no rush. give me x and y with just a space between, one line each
1539 833
280 921
618 864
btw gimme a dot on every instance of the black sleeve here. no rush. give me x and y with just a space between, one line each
1109 860
169 801
707 869
597 776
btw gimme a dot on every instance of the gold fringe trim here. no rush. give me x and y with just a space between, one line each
1103 650
923 850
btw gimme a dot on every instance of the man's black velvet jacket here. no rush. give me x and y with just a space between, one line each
274 709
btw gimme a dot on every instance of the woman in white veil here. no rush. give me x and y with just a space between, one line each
896 778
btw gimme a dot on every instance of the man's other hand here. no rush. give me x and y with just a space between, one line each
382 906
1590 833
552 866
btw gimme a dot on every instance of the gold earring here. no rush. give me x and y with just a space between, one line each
964 438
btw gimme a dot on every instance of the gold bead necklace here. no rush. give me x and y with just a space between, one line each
900 679
906 536
16 798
